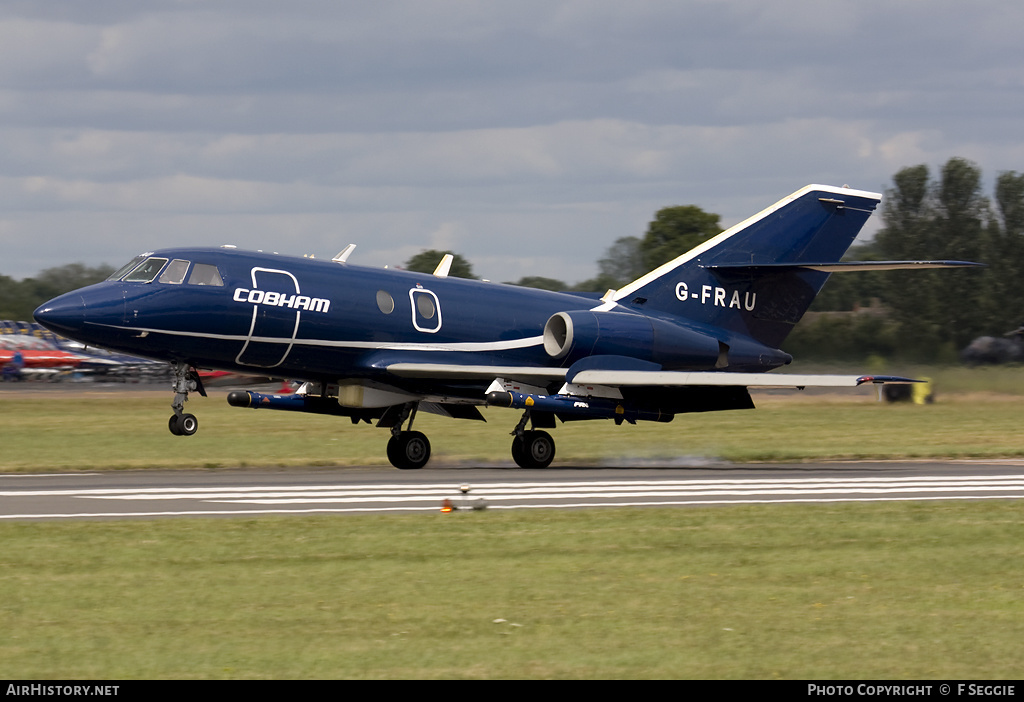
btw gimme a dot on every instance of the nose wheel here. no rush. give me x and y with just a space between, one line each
183 424
186 380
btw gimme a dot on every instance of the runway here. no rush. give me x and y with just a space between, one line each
233 493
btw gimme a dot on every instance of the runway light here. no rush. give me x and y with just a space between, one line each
446 506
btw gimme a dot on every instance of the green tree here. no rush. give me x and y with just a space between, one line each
426 262
937 311
907 215
959 232
601 284
18 299
854 290
14 300
61 279
674 231
1004 253
623 262
541 283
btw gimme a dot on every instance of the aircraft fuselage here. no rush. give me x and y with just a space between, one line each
378 344
312 320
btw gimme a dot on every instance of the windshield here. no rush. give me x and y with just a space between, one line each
145 268
119 273
147 271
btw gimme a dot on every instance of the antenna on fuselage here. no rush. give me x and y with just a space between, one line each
444 266
342 256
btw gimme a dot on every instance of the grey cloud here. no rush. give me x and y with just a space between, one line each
558 125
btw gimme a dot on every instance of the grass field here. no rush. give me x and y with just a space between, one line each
128 430
845 591
880 591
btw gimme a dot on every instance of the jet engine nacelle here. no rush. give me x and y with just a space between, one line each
577 334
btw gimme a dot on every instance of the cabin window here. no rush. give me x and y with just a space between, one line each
120 272
385 302
175 272
205 274
426 310
147 272
425 305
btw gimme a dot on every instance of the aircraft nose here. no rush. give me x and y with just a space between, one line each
64 315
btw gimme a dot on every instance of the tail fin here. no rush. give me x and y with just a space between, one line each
760 276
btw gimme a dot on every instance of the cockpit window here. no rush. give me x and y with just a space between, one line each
147 271
175 272
119 273
205 274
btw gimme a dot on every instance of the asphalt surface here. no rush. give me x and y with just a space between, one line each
227 493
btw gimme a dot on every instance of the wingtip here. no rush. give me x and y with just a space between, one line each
885 379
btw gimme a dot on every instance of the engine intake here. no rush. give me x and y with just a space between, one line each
574 335
580 333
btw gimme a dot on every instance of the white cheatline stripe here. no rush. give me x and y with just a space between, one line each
505 345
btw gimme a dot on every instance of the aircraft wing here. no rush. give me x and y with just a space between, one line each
639 378
448 370
627 378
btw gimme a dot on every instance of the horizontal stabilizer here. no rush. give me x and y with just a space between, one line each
844 266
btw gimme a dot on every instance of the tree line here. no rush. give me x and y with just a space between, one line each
674 230
926 315
19 298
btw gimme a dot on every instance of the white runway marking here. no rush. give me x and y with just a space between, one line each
427 497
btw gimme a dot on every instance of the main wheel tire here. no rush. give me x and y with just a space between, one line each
535 449
188 424
410 450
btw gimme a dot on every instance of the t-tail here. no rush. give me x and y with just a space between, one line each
758 278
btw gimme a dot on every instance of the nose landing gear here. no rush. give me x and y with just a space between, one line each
183 424
186 380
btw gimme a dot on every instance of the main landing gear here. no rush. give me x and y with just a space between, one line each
531 448
408 450
186 380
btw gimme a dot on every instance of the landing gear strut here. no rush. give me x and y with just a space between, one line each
408 450
533 448
186 380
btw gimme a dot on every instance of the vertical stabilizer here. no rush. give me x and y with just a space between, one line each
752 279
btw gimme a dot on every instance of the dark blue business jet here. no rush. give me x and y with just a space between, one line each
377 345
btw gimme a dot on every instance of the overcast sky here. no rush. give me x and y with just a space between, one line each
525 135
